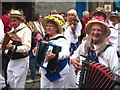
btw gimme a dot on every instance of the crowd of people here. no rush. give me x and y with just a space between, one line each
94 36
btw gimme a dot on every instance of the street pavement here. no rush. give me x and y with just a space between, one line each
33 85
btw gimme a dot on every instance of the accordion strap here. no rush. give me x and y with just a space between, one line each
17 30
16 43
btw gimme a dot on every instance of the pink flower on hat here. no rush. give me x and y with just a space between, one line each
100 18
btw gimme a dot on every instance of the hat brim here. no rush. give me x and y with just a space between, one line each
59 27
16 16
88 26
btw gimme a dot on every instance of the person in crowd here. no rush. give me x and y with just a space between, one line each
72 34
114 24
6 21
64 16
54 11
38 24
51 76
99 11
36 37
114 20
96 46
2 79
22 13
84 20
113 38
73 29
18 65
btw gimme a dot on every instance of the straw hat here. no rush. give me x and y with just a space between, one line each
16 13
58 19
100 9
97 20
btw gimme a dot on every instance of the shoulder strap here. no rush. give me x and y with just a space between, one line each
58 37
15 31
103 50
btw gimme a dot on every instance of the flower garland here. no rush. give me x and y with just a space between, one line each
56 20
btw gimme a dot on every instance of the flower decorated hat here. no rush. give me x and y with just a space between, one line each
58 19
97 19
101 10
16 14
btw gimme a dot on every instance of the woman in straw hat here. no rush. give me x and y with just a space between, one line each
55 79
18 51
96 46
99 11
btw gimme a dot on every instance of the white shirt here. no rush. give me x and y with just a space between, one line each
73 38
109 59
114 38
1 32
65 47
25 36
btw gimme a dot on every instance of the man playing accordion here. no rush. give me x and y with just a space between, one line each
18 51
96 49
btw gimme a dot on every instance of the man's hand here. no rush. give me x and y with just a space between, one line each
9 46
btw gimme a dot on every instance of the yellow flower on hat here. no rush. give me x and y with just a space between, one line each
56 20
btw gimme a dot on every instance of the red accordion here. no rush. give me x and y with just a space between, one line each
94 75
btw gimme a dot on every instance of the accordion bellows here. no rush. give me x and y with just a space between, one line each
96 75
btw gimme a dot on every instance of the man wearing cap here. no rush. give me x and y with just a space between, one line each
18 65
115 20
96 46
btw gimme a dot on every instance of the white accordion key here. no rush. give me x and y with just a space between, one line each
50 49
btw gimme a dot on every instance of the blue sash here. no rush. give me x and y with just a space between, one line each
56 75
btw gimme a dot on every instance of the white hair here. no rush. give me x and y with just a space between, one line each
84 13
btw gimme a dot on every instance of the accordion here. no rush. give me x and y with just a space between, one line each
8 37
45 47
95 75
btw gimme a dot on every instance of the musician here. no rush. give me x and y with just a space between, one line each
58 78
18 65
72 34
96 46
73 29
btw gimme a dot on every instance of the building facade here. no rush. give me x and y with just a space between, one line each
44 8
